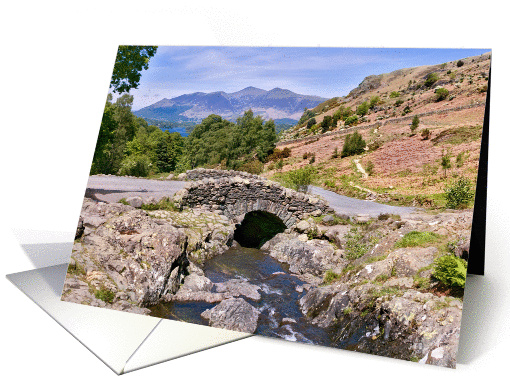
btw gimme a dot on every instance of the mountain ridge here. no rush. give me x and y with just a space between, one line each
276 103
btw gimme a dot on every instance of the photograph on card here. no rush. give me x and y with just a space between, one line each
318 195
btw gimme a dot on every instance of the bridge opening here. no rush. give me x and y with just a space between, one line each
258 227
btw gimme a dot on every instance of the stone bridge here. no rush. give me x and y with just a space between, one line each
237 196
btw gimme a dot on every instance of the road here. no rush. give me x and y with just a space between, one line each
114 188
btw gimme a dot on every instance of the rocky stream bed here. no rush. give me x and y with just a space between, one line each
305 284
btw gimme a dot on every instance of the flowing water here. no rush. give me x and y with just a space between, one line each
280 292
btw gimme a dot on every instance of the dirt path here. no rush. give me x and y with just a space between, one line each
360 168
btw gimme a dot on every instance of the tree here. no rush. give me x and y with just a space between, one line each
362 109
130 61
445 162
310 123
326 123
102 161
374 101
431 79
353 144
460 63
415 123
441 94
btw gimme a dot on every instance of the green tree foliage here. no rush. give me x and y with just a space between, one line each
374 101
362 109
130 62
459 194
441 94
445 161
217 141
415 123
102 161
326 123
127 145
460 63
451 271
301 178
353 144
351 121
310 123
307 114
431 79
342 113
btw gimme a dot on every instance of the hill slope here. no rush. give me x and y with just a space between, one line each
405 167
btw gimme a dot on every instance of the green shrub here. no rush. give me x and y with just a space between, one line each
394 94
253 167
135 165
374 101
370 168
417 239
459 194
399 102
362 109
425 134
450 271
431 79
105 295
310 123
279 154
301 178
330 277
460 63
335 153
441 94
354 245
352 120
164 204
415 123
353 144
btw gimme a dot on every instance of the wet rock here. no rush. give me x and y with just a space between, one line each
197 283
233 314
236 288
313 256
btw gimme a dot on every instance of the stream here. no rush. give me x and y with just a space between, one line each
280 293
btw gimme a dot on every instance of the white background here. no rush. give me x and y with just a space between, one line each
56 62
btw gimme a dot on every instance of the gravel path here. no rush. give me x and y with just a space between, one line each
113 188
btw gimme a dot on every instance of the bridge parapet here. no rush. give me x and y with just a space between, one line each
236 196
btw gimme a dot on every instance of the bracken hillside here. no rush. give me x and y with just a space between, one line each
421 128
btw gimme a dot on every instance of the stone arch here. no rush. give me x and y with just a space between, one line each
257 227
236 196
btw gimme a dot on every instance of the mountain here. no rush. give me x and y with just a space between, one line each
277 104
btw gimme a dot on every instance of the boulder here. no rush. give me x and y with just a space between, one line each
134 201
407 261
237 287
309 256
233 314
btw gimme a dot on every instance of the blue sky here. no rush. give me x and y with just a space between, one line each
326 72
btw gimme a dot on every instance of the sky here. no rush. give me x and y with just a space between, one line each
325 72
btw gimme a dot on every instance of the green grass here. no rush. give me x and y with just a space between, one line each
164 204
105 295
330 277
355 247
418 239
458 135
